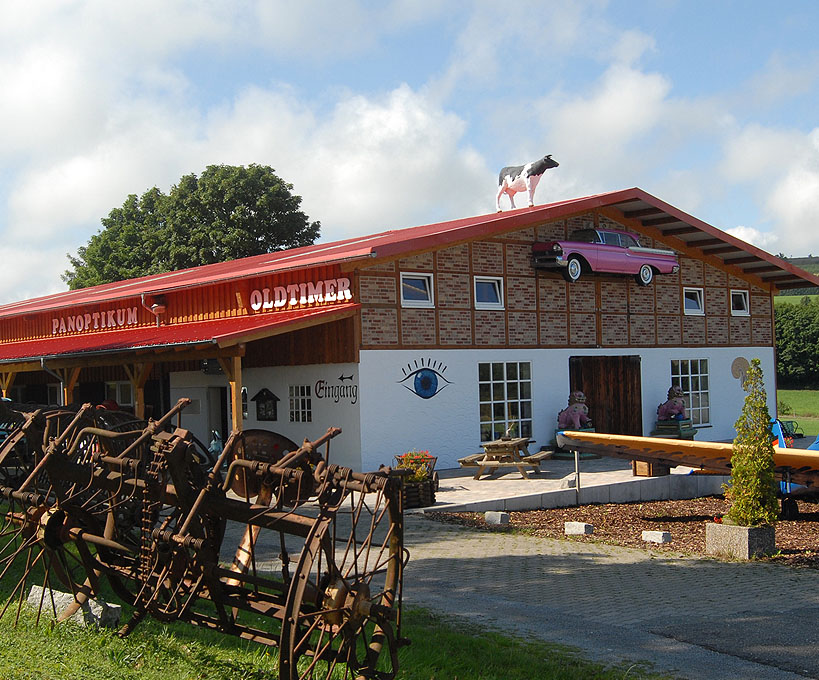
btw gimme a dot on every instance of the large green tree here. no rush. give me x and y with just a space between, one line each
797 343
227 212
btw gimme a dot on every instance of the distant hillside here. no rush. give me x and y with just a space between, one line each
809 264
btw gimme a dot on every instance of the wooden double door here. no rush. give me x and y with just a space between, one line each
612 386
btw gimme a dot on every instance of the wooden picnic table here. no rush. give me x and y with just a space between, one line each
511 452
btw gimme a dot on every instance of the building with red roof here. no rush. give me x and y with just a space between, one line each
435 337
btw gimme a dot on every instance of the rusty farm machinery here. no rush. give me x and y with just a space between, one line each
266 540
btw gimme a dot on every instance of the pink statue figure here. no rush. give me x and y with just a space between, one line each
576 414
674 408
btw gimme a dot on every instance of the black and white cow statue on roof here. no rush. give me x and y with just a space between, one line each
517 178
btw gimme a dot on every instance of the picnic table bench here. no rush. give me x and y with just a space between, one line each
501 453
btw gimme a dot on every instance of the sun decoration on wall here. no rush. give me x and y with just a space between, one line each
424 378
739 368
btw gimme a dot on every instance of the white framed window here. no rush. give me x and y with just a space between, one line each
693 301
301 404
55 393
416 290
120 392
739 303
505 398
488 292
692 376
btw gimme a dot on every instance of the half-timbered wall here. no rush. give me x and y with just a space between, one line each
543 310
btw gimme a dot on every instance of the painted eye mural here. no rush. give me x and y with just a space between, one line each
424 378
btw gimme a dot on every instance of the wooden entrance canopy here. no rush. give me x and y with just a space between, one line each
138 349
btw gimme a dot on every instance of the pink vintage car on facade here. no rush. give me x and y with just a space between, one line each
609 251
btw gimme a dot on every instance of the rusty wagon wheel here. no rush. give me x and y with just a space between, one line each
342 610
57 533
43 545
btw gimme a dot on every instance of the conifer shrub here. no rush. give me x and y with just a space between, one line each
752 491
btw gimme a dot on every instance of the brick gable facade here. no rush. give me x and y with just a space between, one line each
541 309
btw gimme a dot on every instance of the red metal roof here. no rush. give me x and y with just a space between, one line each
219 332
634 204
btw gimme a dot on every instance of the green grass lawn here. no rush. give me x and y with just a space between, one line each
805 405
790 299
440 650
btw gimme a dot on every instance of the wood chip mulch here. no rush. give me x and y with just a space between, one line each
797 541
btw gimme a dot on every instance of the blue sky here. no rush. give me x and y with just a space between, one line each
393 114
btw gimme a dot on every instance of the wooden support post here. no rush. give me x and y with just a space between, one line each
232 366
6 379
68 378
138 375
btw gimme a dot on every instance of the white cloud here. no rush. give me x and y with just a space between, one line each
629 48
782 167
757 153
103 103
761 239
372 164
396 156
594 135
510 42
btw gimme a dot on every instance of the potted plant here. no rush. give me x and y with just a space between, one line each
747 529
422 482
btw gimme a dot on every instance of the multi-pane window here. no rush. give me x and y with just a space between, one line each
416 290
739 303
692 376
121 392
505 396
301 404
488 292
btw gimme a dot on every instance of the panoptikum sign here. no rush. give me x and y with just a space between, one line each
91 321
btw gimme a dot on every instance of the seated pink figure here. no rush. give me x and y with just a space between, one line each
576 415
674 408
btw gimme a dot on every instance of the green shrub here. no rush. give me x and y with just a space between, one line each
753 486
783 408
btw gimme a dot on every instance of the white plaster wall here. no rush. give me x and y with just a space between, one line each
394 419
194 385
344 449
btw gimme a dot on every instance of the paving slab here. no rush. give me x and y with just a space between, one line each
602 480
699 619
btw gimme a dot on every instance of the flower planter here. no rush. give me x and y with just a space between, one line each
419 494
742 543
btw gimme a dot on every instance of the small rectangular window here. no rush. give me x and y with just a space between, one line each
739 303
416 290
121 393
55 394
301 404
692 301
488 292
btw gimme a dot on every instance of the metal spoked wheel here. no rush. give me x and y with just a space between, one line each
341 616
43 546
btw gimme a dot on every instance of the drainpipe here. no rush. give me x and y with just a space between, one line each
157 306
